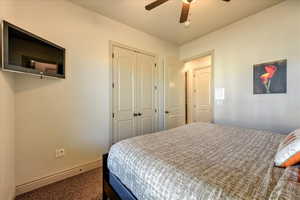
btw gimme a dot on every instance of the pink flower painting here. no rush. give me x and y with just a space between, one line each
270 78
266 78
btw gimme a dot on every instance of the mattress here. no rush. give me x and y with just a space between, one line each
204 162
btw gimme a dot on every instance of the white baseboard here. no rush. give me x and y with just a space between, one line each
35 184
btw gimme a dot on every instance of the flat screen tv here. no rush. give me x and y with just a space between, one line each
22 51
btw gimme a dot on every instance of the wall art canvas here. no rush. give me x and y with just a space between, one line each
270 78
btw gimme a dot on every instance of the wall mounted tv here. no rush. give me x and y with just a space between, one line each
22 51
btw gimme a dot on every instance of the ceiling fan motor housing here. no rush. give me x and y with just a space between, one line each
188 1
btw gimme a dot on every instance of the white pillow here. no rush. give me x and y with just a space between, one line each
288 153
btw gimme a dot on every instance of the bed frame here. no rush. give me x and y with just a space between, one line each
113 188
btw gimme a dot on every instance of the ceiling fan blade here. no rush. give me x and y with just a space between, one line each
155 4
184 12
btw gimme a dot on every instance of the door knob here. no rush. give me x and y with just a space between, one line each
167 112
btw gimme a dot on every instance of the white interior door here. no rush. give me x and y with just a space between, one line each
201 108
134 94
124 122
146 94
174 93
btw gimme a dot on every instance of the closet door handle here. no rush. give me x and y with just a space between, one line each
167 112
135 114
140 114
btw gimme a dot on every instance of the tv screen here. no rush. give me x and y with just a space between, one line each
28 53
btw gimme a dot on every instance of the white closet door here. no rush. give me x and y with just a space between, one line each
201 111
134 94
124 123
174 93
145 94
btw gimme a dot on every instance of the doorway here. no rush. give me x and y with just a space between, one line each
199 89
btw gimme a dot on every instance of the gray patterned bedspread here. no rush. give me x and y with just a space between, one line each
204 161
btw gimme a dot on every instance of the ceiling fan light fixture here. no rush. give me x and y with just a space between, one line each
187 24
188 1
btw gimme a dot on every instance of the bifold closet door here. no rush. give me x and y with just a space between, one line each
134 94
124 121
145 94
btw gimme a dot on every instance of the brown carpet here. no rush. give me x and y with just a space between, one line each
86 186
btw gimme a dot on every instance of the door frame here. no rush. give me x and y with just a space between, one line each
113 44
212 66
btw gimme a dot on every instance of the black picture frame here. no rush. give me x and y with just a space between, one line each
270 77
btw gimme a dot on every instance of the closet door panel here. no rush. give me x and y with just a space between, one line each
124 63
146 93
125 129
147 125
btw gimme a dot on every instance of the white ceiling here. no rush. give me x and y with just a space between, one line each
163 22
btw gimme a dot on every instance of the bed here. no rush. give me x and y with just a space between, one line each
199 161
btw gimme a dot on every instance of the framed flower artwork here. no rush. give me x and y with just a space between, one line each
270 78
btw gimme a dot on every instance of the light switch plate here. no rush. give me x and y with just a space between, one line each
220 93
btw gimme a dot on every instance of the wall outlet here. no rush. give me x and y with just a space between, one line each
59 153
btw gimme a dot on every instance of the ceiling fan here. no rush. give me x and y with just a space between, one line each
185 7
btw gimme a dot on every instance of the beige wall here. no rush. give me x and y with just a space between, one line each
73 113
267 36
7 157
